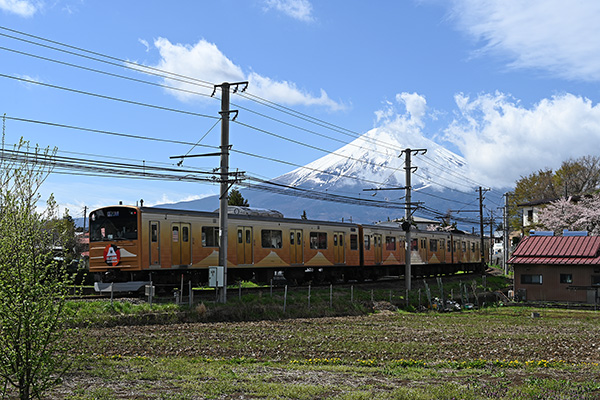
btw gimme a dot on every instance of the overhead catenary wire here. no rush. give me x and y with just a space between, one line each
180 142
138 103
189 80
137 66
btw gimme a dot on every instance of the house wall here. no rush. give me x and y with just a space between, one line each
551 288
530 216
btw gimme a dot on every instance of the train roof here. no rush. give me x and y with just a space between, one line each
243 217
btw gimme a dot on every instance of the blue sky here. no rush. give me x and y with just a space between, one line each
511 86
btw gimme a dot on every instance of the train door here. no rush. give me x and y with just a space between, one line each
244 245
154 243
378 253
339 255
181 249
296 249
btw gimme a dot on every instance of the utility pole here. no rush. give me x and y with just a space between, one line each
224 179
84 217
482 251
506 233
408 213
492 238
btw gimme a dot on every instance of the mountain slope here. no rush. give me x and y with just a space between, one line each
370 161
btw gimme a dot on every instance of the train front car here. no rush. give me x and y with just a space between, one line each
115 246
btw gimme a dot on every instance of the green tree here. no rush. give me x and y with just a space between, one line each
577 177
236 199
574 177
33 285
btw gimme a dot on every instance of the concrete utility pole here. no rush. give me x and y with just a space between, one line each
491 252
84 217
506 233
408 213
482 250
224 179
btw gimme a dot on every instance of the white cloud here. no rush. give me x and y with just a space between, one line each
29 85
562 37
297 9
145 44
206 62
503 140
24 8
411 118
170 199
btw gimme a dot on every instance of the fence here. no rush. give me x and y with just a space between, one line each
434 294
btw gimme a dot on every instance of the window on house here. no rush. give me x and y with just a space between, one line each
529 215
566 278
531 279
595 280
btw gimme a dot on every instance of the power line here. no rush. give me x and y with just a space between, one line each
189 80
108 97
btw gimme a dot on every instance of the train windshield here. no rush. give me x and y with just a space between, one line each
113 223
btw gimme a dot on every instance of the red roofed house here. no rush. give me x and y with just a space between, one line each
557 268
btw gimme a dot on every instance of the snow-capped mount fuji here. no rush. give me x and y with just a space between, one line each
373 161
370 161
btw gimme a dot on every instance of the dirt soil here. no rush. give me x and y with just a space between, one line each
386 336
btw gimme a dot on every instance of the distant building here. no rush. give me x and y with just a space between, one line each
531 211
557 268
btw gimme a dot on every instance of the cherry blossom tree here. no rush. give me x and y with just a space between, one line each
564 213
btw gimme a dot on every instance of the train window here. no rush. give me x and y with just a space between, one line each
367 242
175 234
210 236
390 243
464 247
433 245
353 242
449 246
298 238
473 247
185 234
240 236
414 245
318 240
335 240
341 240
248 236
271 239
292 238
115 223
154 234
423 243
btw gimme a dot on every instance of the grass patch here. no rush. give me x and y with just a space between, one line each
189 378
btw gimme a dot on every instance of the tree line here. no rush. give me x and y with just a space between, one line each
571 195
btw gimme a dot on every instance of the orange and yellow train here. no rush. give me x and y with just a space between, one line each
130 243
